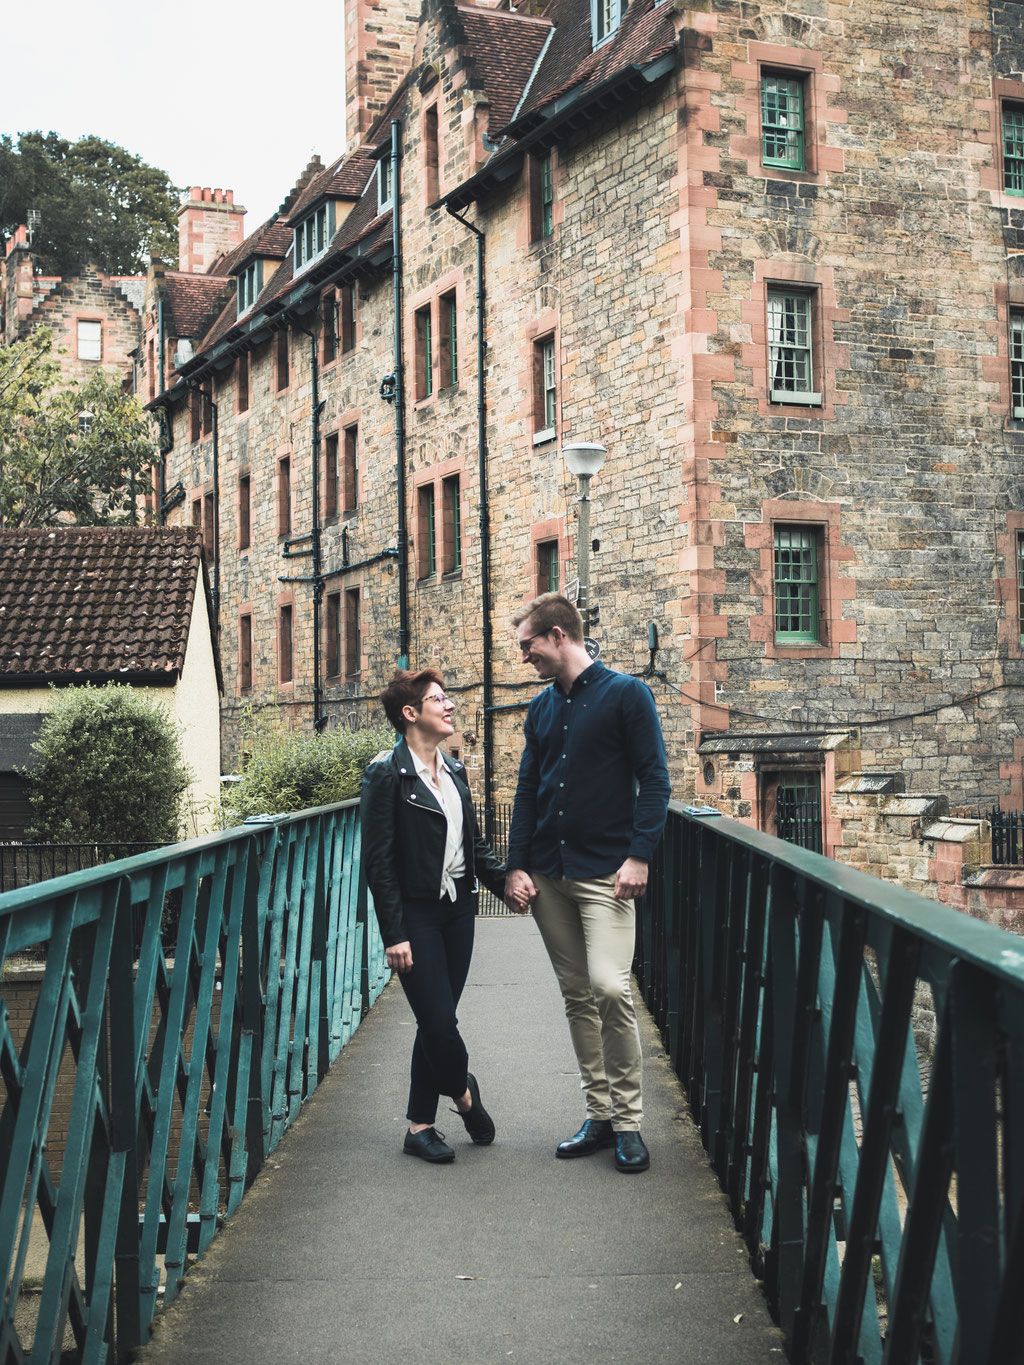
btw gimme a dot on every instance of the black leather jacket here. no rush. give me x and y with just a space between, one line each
404 831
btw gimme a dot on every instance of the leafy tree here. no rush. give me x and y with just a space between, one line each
110 769
80 453
287 770
97 203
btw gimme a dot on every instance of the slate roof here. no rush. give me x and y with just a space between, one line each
190 302
342 180
95 603
505 48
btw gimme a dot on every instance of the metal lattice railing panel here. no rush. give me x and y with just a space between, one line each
873 1160
176 1067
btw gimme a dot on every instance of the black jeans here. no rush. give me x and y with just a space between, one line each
441 938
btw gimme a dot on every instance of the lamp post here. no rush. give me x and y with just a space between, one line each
584 459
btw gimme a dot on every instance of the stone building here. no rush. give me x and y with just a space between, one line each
772 257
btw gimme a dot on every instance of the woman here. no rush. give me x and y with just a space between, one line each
423 853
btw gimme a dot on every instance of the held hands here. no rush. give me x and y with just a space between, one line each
630 880
520 892
399 957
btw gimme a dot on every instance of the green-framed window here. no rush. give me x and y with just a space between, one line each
791 348
451 500
548 579
799 809
796 584
782 120
1017 364
1013 148
424 353
427 532
449 348
547 196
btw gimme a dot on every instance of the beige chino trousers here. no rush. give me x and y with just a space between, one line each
591 938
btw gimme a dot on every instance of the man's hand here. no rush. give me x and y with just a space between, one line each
399 957
520 891
630 880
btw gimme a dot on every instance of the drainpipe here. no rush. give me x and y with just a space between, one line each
319 718
396 273
485 529
215 584
160 379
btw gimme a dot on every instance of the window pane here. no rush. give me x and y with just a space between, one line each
796 583
789 343
90 340
1020 585
1013 148
782 121
1017 363
549 382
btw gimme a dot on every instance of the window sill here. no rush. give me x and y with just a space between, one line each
542 437
450 575
785 398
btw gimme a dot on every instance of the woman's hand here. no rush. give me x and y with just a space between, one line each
399 957
520 891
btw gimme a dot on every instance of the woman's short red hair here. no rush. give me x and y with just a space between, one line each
407 688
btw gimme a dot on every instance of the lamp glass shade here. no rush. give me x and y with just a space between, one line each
584 458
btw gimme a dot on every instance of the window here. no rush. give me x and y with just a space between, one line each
244 511
798 809
350 472
430 154
796 584
284 497
90 340
245 653
542 197
242 377
332 628
347 310
1020 586
426 532
424 357
151 368
353 636
449 358
250 282
195 414
331 475
451 506
782 120
547 567
206 409
281 359
790 351
313 235
1013 148
545 393
385 183
1017 364
284 645
605 17
329 312
209 528
197 512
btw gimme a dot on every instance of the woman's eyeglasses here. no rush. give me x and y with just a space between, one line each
440 698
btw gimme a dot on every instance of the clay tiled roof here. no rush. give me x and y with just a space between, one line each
271 240
191 301
505 48
93 603
345 179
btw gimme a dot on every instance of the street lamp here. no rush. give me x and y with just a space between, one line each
584 459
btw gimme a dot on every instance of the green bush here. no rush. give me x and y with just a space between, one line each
288 770
110 768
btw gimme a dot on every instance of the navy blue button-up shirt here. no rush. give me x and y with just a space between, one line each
593 782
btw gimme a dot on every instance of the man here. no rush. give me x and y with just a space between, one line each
589 810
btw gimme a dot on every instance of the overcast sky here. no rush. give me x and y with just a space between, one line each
214 92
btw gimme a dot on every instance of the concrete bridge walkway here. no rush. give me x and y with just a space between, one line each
346 1250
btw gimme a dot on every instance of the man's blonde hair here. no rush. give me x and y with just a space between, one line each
548 610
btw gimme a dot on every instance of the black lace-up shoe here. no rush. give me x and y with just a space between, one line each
595 1134
429 1145
630 1152
479 1124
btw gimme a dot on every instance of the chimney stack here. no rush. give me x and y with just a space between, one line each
210 224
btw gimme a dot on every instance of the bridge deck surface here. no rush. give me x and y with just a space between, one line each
345 1250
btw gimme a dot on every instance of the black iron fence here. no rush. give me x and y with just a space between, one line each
1007 837
26 864
500 819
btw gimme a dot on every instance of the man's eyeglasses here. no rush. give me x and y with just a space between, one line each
440 698
524 645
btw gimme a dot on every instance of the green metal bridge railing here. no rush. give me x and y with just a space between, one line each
878 1179
183 1066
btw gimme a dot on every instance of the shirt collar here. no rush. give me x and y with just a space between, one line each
588 675
421 768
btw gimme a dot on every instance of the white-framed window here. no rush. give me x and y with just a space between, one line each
1017 365
313 235
791 348
250 282
545 390
385 183
605 17
90 340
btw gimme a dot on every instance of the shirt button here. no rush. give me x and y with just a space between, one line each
561 784
561 812
561 841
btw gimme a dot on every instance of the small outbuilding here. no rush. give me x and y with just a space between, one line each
98 604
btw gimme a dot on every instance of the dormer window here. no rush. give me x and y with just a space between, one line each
313 235
250 282
605 17
385 184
